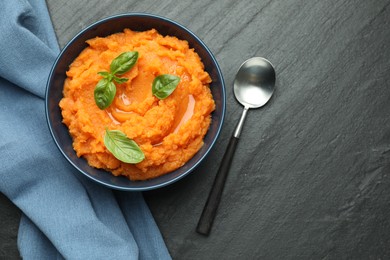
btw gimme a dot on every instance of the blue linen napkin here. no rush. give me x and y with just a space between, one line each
64 214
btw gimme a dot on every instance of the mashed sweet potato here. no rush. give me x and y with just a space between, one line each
168 131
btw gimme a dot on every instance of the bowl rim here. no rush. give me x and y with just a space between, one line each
142 15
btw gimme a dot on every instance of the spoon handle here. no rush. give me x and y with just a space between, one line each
212 203
210 209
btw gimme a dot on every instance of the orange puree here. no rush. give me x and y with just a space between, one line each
168 131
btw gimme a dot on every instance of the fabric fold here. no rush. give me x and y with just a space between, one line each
27 42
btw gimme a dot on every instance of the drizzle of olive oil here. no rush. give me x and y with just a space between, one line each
181 119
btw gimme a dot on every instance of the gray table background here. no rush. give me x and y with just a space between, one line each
310 178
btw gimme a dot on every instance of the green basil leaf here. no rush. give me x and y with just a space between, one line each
163 85
122 147
120 80
123 63
105 74
104 93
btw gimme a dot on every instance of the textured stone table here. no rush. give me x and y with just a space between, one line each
310 178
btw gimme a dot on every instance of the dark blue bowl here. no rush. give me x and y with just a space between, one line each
105 27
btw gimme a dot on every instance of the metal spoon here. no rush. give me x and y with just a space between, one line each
253 87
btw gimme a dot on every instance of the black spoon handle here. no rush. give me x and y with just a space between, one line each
211 206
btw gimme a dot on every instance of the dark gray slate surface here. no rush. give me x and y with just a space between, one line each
310 179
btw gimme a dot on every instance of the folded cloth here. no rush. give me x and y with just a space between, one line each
64 215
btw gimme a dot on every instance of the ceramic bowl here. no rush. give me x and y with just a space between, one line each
105 27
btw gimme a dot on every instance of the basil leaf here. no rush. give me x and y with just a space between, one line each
120 80
123 63
104 93
163 85
122 147
106 75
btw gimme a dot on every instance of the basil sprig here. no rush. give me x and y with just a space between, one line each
122 147
163 85
105 89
